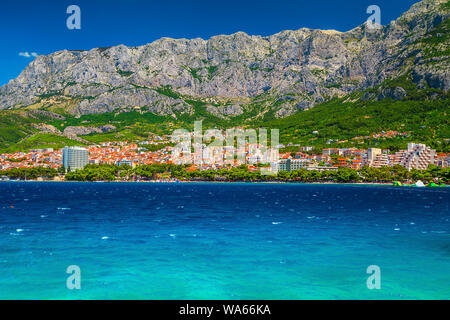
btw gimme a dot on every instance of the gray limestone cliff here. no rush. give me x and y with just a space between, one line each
287 72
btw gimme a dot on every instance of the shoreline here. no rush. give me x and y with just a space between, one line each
228 182
223 182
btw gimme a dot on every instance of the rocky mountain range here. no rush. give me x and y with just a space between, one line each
230 74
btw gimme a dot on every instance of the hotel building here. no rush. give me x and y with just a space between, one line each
418 156
75 158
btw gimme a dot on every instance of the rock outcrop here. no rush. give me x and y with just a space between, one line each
82 131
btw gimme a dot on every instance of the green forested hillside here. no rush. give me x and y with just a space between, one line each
424 120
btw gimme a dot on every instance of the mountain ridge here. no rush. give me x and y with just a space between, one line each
228 73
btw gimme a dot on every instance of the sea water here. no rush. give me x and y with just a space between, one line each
223 241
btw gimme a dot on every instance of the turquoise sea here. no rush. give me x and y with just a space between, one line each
223 241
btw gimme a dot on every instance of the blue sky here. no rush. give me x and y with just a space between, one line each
29 26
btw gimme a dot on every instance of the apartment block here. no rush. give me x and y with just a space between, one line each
418 156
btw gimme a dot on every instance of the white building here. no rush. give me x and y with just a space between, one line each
297 164
75 158
284 165
418 156
372 155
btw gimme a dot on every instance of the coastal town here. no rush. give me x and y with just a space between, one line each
162 150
